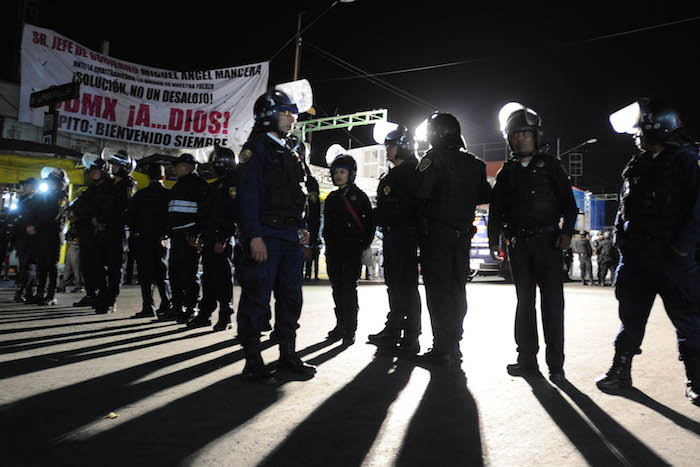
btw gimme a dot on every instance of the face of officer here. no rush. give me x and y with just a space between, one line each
524 142
341 176
95 175
391 152
286 120
183 169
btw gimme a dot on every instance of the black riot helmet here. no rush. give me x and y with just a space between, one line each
444 131
122 163
520 121
401 138
223 160
345 161
268 107
57 176
658 122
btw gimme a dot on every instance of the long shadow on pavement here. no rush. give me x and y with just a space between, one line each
445 429
96 334
342 429
606 442
164 436
679 419
23 366
64 325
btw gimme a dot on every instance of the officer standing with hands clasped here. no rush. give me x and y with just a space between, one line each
348 230
450 184
656 231
147 217
531 196
273 231
186 197
396 217
217 221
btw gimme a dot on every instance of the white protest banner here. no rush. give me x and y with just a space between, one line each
132 103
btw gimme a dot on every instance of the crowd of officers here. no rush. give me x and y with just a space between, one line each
270 204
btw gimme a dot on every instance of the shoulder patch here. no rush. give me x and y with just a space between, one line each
245 156
232 192
387 190
424 164
698 162
539 163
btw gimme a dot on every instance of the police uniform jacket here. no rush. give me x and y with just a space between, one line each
185 198
48 213
396 201
607 252
660 199
342 232
219 210
583 248
147 215
533 197
271 200
124 190
25 206
451 183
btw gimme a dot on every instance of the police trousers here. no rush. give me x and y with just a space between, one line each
401 278
283 272
152 262
537 262
106 265
445 266
343 271
217 279
645 271
184 266
47 256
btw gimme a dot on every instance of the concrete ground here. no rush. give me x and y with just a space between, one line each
176 397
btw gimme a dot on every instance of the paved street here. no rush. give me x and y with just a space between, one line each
177 398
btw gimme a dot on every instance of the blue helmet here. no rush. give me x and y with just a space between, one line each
345 161
268 107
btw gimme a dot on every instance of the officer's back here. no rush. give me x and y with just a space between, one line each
148 211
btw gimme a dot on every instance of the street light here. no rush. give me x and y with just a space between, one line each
297 54
590 141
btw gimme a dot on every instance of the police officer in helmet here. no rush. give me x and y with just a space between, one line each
531 196
218 216
396 217
450 184
656 231
273 230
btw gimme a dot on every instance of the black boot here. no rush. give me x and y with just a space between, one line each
199 319
255 367
409 347
224 320
336 333
86 301
692 382
289 360
146 312
386 338
619 376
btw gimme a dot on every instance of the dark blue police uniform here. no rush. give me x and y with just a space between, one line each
271 207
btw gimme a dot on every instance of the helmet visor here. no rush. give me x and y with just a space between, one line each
626 120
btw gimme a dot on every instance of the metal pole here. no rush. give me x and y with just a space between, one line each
297 55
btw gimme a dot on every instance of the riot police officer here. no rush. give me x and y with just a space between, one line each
107 222
348 230
656 231
271 204
450 184
147 218
218 215
531 196
24 243
396 217
185 198
124 186
607 258
46 224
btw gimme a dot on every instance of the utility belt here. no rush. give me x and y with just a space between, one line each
280 221
523 233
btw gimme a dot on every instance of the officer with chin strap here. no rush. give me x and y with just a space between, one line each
656 230
272 205
46 223
218 215
450 184
531 196
396 217
186 196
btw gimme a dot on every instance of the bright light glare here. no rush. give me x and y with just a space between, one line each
505 112
421 133
13 207
626 119
300 93
44 187
334 151
6 195
381 129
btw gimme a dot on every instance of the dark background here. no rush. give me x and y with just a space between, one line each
552 59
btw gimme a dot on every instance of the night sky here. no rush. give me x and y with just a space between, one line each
543 58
